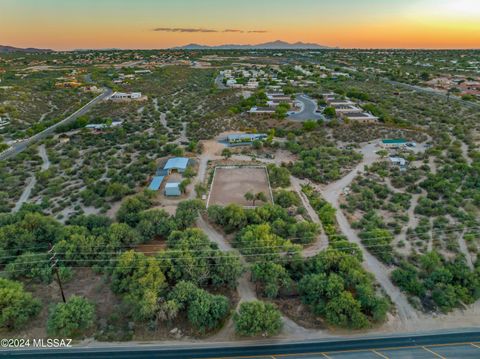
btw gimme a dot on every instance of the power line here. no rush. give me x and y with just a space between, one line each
413 235
206 265
53 264
353 246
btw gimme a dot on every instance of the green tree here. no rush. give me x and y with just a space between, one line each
71 319
194 258
257 318
226 153
120 235
279 176
129 211
310 125
141 281
231 218
206 311
286 199
330 112
345 311
187 212
36 267
155 223
272 277
249 196
17 307
260 196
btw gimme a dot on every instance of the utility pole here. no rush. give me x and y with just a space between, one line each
53 265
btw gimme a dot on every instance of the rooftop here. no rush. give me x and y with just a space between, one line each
175 163
242 136
156 183
395 141
172 185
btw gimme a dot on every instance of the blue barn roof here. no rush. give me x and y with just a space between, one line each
176 163
156 183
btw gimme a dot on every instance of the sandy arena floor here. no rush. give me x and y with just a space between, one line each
230 185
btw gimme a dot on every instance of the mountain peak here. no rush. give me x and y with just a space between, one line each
273 45
10 49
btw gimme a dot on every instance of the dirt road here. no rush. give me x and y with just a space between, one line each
33 180
332 193
321 242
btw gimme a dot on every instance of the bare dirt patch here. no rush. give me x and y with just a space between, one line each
152 248
231 183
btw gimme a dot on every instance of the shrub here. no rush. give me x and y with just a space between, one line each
71 319
257 318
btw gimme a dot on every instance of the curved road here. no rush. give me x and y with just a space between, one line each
308 112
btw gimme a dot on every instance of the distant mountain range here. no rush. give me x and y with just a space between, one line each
275 45
11 49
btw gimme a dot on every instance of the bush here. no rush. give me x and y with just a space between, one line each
16 305
257 318
71 319
279 176
205 311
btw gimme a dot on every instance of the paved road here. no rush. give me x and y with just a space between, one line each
446 345
19 147
433 92
219 82
308 112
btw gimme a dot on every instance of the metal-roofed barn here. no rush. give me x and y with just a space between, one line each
178 164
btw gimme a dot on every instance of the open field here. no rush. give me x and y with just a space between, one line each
230 184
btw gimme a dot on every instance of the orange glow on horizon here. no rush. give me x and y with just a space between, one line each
409 28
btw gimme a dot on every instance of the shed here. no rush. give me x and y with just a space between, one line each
179 164
156 183
173 189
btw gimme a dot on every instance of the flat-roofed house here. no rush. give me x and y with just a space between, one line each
279 96
359 117
119 96
347 109
336 102
245 137
262 110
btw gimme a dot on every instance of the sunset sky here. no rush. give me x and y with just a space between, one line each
143 24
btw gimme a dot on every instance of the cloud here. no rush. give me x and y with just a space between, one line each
182 29
192 29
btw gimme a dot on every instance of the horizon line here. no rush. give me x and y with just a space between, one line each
182 47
